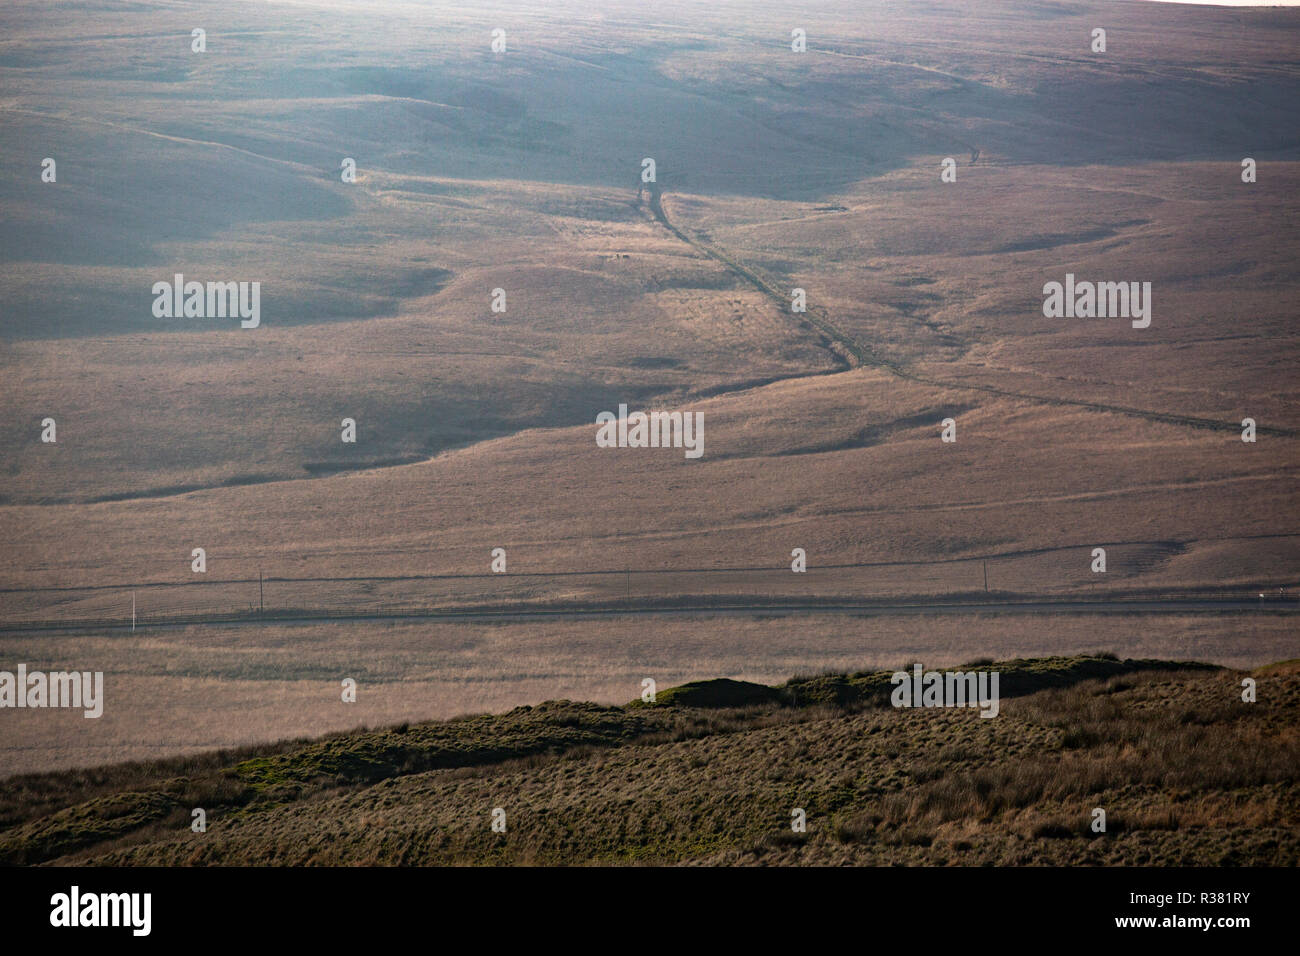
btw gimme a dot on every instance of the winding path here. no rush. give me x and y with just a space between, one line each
854 354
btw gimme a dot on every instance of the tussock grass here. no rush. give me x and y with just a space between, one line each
1185 771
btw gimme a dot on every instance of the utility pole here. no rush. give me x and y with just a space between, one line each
986 576
261 604
133 611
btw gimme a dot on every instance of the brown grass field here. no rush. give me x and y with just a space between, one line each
1186 772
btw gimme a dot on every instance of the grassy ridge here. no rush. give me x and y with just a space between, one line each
711 771
1017 678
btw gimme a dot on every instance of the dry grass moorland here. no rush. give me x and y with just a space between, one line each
1187 773
475 429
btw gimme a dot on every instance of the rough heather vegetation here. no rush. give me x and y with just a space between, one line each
1187 772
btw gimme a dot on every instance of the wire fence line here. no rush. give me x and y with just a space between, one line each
276 597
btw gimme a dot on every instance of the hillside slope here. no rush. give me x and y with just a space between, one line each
710 773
